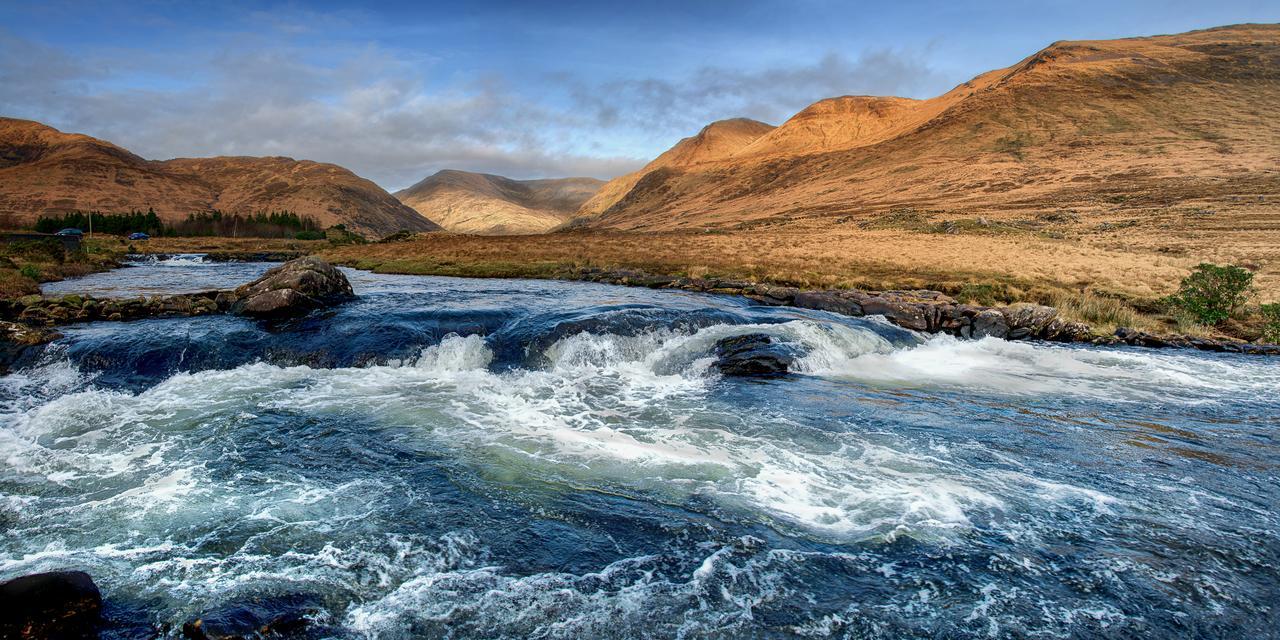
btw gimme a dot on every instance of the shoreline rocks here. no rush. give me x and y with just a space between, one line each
57 604
928 312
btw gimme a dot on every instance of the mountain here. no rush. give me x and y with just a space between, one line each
44 171
1155 121
717 141
465 202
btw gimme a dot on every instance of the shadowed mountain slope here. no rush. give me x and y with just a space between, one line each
480 203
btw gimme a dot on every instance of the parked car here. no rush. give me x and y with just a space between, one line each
70 232
139 236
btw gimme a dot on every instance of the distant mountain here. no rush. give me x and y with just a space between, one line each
1154 121
479 203
717 141
44 171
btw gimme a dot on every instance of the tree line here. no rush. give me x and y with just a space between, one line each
264 224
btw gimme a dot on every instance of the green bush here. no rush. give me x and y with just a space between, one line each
30 271
1271 322
309 235
1212 293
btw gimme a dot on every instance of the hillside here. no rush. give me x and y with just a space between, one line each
44 171
465 202
717 141
1095 128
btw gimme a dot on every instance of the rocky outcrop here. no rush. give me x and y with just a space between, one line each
59 604
293 288
753 354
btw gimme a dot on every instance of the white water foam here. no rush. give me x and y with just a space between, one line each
624 413
997 366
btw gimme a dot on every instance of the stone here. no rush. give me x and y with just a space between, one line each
293 288
1027 320
58 604
903 313
754 354
827 301
989 323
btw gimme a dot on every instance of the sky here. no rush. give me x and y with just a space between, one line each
396 91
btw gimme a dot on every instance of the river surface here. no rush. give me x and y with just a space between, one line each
529 459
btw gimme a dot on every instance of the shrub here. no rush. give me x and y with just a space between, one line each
309 235
1271 322
1211 293
30 271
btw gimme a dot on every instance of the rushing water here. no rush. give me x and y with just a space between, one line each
524 459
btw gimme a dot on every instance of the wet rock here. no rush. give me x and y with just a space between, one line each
1027 320
772 294
59 604
293 288
827 301
266 617
17 340
990 323
754 354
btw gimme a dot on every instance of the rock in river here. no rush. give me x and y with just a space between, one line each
754 354
293 288
59 604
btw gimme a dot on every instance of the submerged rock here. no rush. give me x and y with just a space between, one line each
754 354
265 617
293 288
58 604
17 338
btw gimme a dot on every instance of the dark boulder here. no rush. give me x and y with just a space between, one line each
754 354
291 289
59 604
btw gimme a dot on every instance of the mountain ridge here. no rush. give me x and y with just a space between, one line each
44 171
1156 118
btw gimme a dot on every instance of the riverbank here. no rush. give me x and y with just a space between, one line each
24 265
834 266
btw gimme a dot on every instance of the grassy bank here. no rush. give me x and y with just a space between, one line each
1102 286
24 265
805 260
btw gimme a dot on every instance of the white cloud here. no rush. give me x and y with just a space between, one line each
387 118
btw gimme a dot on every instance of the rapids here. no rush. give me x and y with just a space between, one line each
530 459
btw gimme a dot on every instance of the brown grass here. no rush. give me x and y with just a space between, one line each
207 244
1107 277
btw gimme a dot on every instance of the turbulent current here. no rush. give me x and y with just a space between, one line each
525 459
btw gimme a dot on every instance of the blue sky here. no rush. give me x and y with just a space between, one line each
398 90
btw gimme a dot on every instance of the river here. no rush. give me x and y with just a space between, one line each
539 459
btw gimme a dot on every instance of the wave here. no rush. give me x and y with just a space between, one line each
638 415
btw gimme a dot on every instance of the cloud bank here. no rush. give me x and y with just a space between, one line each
395 115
